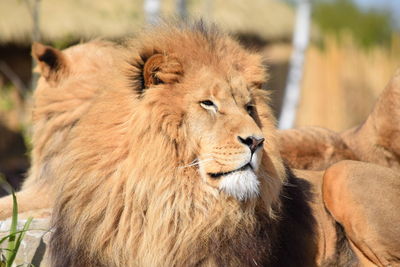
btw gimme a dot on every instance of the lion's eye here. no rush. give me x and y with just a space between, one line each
208 104
250 109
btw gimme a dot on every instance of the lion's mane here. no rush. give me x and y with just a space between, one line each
128 195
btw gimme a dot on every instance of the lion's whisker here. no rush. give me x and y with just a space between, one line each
196 162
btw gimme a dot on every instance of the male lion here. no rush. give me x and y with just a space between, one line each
69 81
179 166
73 78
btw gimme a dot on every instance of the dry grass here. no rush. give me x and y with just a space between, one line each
342 81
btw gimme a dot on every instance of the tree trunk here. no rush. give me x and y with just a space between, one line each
293 86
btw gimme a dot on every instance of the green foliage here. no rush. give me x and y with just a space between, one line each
369 27
14 239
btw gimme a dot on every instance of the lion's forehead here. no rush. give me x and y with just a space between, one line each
229 87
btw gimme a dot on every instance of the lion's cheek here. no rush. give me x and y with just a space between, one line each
213 182
207 179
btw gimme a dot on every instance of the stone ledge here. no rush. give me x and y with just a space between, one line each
33 246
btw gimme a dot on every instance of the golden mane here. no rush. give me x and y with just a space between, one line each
128 194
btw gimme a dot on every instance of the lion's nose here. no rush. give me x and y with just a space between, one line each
252 142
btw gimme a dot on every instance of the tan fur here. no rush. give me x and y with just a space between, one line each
313 148
359 196
128 194
63 94
364 199
376 140
326 235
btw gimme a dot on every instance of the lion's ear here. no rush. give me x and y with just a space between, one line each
52 62
161 69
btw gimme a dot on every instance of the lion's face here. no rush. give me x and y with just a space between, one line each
218 121
222 122
209 106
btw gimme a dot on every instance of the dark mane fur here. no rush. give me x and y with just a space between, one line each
294 243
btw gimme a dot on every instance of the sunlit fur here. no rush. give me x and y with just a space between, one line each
57 108
242 185
83 72
130 190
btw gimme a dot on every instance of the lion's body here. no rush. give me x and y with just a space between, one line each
376 140
364 199
359 197
128 194
313 148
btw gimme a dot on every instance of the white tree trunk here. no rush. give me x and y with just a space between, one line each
152 10
293 85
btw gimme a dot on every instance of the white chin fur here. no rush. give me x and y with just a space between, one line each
242 185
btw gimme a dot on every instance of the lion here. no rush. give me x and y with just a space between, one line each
69 81
376 140
178 164
354 201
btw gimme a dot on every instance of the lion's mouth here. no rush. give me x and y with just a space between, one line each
220 174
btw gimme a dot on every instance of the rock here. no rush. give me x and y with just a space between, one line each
33 246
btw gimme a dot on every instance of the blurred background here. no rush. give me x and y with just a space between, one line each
353 51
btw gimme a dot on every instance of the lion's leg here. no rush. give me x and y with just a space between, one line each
364 199
313 148
32 198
